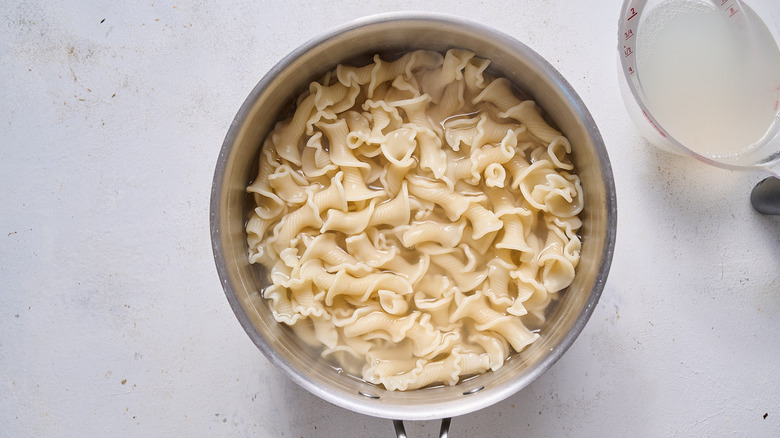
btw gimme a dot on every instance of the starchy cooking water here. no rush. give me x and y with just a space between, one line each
712 81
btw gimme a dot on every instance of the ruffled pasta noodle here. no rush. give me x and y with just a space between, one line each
415 219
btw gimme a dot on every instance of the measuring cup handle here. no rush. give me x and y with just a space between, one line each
765 196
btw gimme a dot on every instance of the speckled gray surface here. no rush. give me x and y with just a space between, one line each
112 318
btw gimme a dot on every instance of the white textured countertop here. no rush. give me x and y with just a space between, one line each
113 321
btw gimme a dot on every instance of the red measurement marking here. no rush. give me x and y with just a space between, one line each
651 122
723 2
777 102
628 34
732 11
627 51
633 14
630 70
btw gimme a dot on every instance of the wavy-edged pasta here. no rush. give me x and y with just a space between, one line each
415 218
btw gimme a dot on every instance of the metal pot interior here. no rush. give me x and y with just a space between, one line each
387 35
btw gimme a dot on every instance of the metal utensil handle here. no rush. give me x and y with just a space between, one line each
444 431
765 196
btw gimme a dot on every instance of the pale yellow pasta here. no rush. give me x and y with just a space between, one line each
452 102
433 296
499 154
388 362
394 173
337 97
495 175
286 135
355 188
315 159
373 254
399 145
516 230
482 245
268 205
331 198
432 157
349 222
447 371
404 89
483 221
458 169
325 247
340 153
445 234
477 308
454 204
385 119
304 217
495 346
461 271
558 150
413 272
499 93
404 66
475 132
434 81
497 287
288 185
415 218
474 75
359 128
394 212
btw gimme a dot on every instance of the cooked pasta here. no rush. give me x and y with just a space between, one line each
415 218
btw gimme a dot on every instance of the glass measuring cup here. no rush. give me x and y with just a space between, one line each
701 78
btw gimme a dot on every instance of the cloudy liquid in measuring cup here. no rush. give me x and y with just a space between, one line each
712 85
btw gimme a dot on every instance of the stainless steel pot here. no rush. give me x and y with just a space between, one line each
237 165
